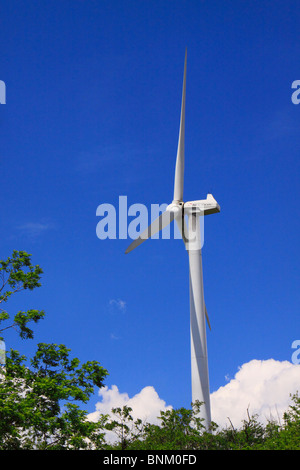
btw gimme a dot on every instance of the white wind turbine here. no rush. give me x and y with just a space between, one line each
191 235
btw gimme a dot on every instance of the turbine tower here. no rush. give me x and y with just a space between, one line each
191 235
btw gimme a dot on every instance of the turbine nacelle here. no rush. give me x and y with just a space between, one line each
203 207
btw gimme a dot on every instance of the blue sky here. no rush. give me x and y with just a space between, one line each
92 112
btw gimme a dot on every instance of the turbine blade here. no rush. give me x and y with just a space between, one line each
207 319
158 224
179 169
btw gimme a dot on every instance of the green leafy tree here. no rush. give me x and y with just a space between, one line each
18 274
38 404
39 398
179 429
247 437
124 427
286 436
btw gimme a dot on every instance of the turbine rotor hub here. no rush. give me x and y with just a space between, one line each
175 207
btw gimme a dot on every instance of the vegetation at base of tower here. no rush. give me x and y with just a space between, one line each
181 430
42 398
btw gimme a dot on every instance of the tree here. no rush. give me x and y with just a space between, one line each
39 401
126 429
17 274
287 436
38 407
179 429
249 436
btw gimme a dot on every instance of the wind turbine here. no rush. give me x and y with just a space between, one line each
191 235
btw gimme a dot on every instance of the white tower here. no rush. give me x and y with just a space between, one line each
191 235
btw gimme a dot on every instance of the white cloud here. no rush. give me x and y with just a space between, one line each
262 386
145 405
113 336
119 304
34 229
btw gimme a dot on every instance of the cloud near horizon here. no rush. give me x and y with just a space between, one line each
145 405
263 387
